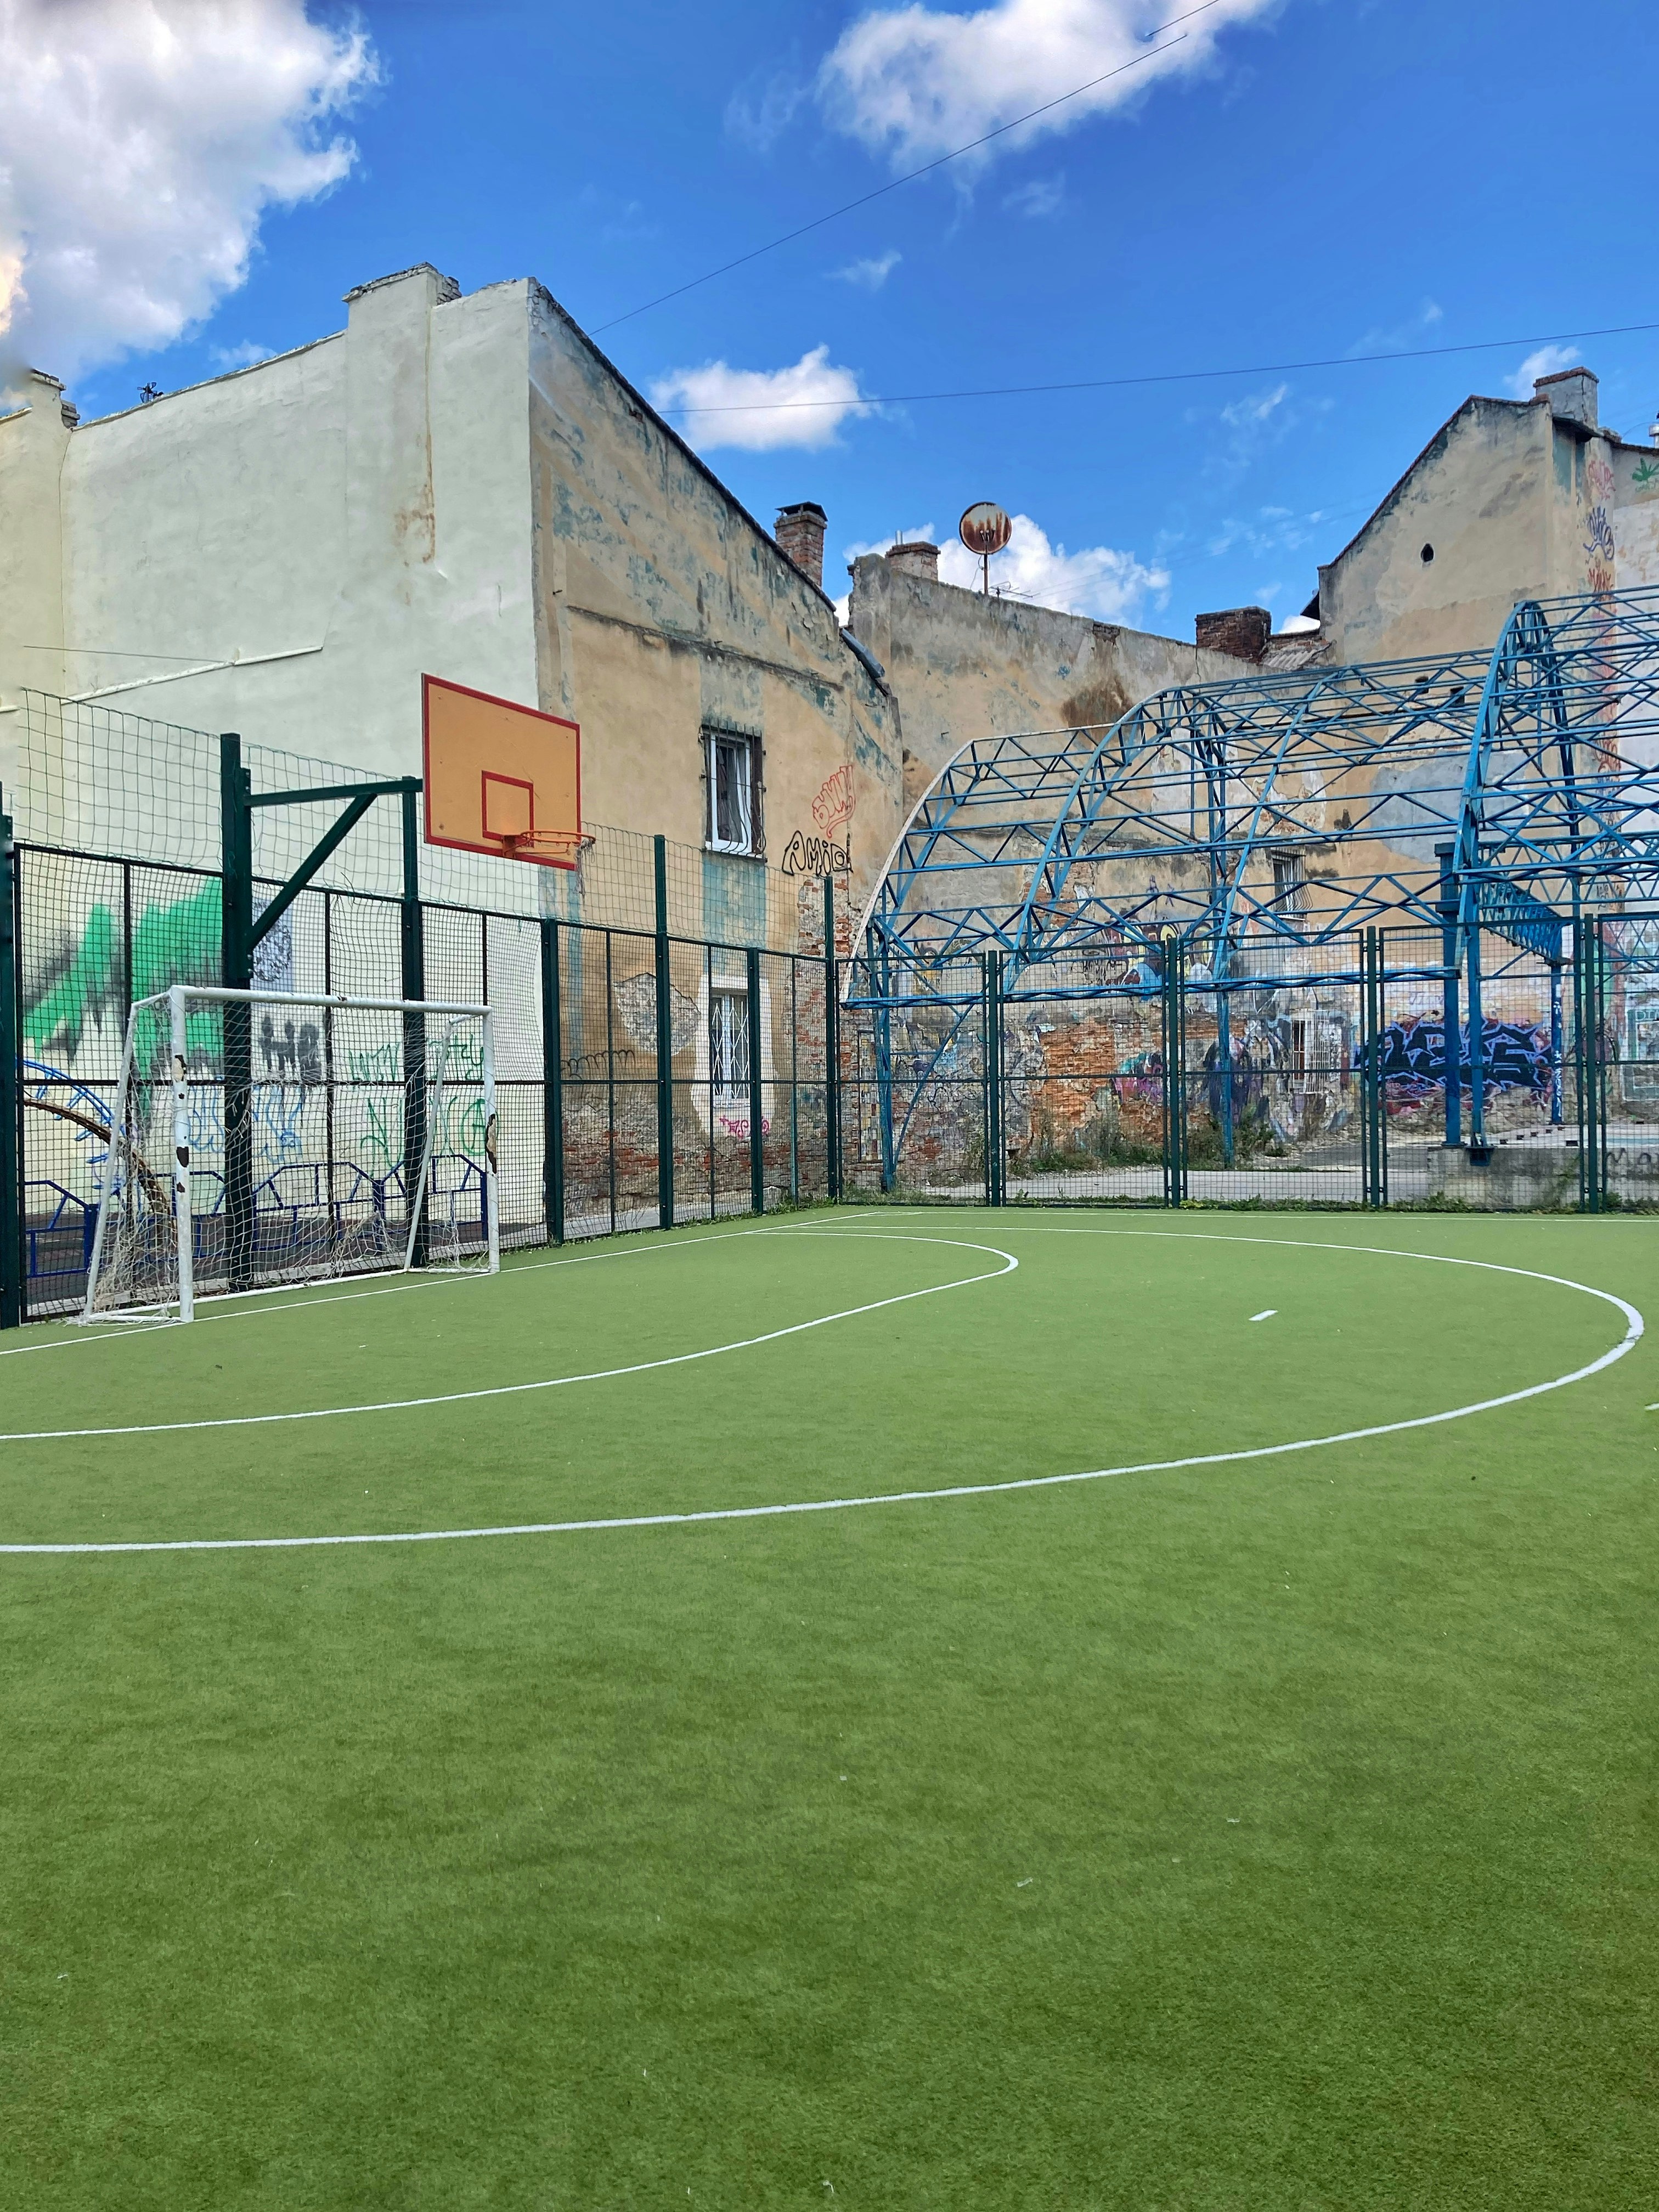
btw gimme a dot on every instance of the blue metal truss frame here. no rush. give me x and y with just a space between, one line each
1252 818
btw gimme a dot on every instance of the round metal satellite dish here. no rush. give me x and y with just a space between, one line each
985 529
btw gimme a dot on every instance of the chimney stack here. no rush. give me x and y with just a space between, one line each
801 536
915 558
1240 630
1571 394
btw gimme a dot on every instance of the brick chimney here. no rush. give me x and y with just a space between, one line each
1243 631
1573 395
800 535
916 558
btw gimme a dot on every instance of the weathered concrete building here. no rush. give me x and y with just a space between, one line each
1510 498
965 666
463 486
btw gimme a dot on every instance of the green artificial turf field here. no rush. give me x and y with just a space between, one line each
1270 1831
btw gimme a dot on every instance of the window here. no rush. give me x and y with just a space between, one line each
728 1043
1287 882
733 774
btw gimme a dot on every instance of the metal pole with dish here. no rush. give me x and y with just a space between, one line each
985 530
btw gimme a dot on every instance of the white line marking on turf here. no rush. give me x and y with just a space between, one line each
1266 1315
1633 1332
559 1381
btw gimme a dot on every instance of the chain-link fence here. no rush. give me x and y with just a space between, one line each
672 1043
585 1099
1301 1074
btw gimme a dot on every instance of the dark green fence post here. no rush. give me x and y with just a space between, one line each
1477 1043
412 933
236 974
1593 1064
997 1148
1587 989
832 1048
1175 1079
664 1047
757 1094
552 1084
1373 1110
1603 992
1381 1029
1451 1017
13 1239
1181 1074
987 1112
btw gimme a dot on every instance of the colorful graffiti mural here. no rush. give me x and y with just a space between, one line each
1514 1056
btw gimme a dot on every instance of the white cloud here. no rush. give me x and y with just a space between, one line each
617 221
922 534
1041 196
1270 530
241 356
1255 408
1095 581
913 82
871 275
802 405
1399 338
143 140
1547 361
763 106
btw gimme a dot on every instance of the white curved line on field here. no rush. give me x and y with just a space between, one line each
1633 1332
559 1381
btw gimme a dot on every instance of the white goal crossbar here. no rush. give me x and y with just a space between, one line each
367 1143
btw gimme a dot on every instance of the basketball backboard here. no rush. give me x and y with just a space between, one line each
500 778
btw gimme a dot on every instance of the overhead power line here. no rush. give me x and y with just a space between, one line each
1162 376
910 175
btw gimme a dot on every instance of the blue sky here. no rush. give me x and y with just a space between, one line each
1299 181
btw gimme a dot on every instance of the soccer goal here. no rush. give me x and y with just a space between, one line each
259 1138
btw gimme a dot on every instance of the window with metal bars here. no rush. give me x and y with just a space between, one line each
728 1044
733 775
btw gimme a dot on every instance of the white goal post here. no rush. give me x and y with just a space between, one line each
259 1138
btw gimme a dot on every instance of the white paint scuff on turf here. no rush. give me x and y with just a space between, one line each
1634 1326
1267 1316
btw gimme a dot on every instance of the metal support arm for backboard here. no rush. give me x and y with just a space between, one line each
242 930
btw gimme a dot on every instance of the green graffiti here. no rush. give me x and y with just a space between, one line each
1646 472
175 944
383 1141
382 1064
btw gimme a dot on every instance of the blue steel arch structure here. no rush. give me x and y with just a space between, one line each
1511 792
1202 807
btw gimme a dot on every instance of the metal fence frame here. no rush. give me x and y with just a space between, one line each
607 1127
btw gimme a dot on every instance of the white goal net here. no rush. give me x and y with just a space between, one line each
260 1138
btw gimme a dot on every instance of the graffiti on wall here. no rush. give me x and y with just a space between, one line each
84 983
818 853
1515 1056
1599 547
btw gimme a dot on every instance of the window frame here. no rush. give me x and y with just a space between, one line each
728 1002
717 736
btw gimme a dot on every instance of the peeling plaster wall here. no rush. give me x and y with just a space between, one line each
1480 495
965 666
1517 503
662 610
331 524
459 486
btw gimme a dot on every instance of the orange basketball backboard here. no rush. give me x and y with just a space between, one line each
500 778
